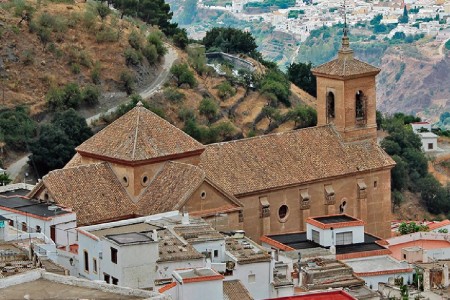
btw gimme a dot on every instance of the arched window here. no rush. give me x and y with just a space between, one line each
330 106
360 105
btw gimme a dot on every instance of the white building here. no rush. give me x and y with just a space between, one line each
35 216
428 139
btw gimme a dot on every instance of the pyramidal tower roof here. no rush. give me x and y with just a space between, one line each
140 135
345 66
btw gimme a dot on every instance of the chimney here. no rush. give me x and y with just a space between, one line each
185 218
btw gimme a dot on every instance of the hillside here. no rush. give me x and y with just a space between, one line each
62 43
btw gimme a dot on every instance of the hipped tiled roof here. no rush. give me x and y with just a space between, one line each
344 68
92 191
170 188
288 158
139 135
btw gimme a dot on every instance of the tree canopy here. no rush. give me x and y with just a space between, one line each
229 40
56 142
300 74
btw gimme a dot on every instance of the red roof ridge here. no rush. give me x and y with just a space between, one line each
167 287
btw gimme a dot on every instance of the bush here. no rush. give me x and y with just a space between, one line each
75 68
107 34
185 114
183 75
180 39
96 73
89 20
132 57
225 90
16 128
155 39
91 94
208 108
150 53
173 94
135 41
65 98
128 82
28 57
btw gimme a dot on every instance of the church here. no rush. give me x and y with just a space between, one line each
141 164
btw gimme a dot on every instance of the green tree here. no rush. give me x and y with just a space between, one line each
300 74
180 39
56 142
102 10
91 95
404 17
208 108
303 116
225 90
183 75
4 179
230 40
16 128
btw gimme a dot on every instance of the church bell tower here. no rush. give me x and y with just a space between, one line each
346 95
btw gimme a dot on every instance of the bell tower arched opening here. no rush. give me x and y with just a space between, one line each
360 107
330 107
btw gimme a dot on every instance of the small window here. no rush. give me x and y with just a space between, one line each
145 180
203 194
114 255
38 228
24 226
315 236
362 189
342 207
375 184
115 281
344 238
241 216
251 278
283 212
11 223
216 253
106 277
430 146
125 181
86 261
94 265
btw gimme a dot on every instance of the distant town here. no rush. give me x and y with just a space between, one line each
426 16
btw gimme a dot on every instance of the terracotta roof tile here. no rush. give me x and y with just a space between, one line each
288 158
139 135
75 161
235 290
345 68
92 191
170 188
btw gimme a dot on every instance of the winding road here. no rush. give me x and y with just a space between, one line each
15 168
153 87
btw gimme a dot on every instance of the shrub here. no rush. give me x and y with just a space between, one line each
134 39
150 53
28 57
75 68
185 114
155 38
132 57
61 99
225 90
96 73
107 34
128 82
183 75
91 95
173 94
208 108
89 20
102 10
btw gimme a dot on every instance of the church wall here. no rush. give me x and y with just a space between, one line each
136 178
375 209
325 85
208 198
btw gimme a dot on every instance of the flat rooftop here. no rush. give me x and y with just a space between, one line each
45 289
130 238
194 273
29 206
17 192
298 241
334 219
121 229
375 264
424 244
